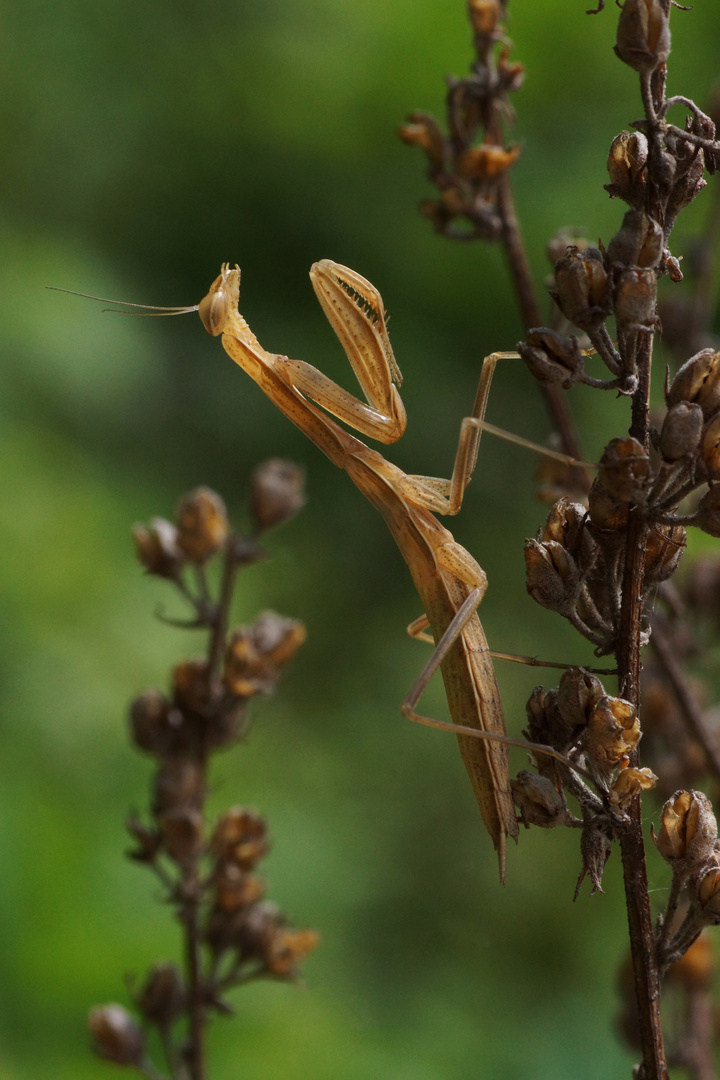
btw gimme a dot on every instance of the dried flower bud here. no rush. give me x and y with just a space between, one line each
202 524
624 470
115 1035
635 300
606 512
612 733
424 131
688 830
552 577
234 889
566 524
708 895
157 549
538 800
629 784
596 848
707 515
178 785
287 949
698 380
484 15
486 162
582 287
162 998
240 837
638 241
552 358
182 833
663 551
710 449
681 431
277 492
155 725
626 166
643 34
191 685
254 656
578 694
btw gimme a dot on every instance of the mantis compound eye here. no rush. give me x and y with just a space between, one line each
214 308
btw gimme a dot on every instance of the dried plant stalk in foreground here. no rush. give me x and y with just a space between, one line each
604 560
207 872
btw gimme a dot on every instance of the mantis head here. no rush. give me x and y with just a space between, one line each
222 300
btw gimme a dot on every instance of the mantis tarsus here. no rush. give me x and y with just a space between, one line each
449 581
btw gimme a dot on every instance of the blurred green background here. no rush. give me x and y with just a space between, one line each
144 143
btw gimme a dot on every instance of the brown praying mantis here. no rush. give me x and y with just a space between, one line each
449 581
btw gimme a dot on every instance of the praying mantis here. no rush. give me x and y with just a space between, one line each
449 581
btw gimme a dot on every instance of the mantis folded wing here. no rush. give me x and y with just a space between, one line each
446 576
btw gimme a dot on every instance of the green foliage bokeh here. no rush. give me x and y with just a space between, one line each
143 145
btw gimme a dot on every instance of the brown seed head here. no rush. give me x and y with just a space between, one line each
182 833
582 287
681 431
552 577
710 449
663 551
707 515
162 998
277 492
486 162
698 380
612 733
688 830
643 34
635 300
115 1035
638 242
157 548
626 166
629 784
538 800
191 685
624 471
484 15
424 131
202 524
179 785
240 837
552 358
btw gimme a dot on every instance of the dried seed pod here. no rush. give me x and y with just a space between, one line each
182 833
707 515
626 166
202 524
596 848
277 638
486 162
485 15
157 548
115 1035
538 800
663 550
698 381
557 245
643 34
578 694
191 685
613 732
287 949
629 784
582 287
565 524
552 576
155 725
606 513
552 358
681 431
624 471
638 241
240 837
277 491
424 131
688 830
235 890
162 997
710 449
635 300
